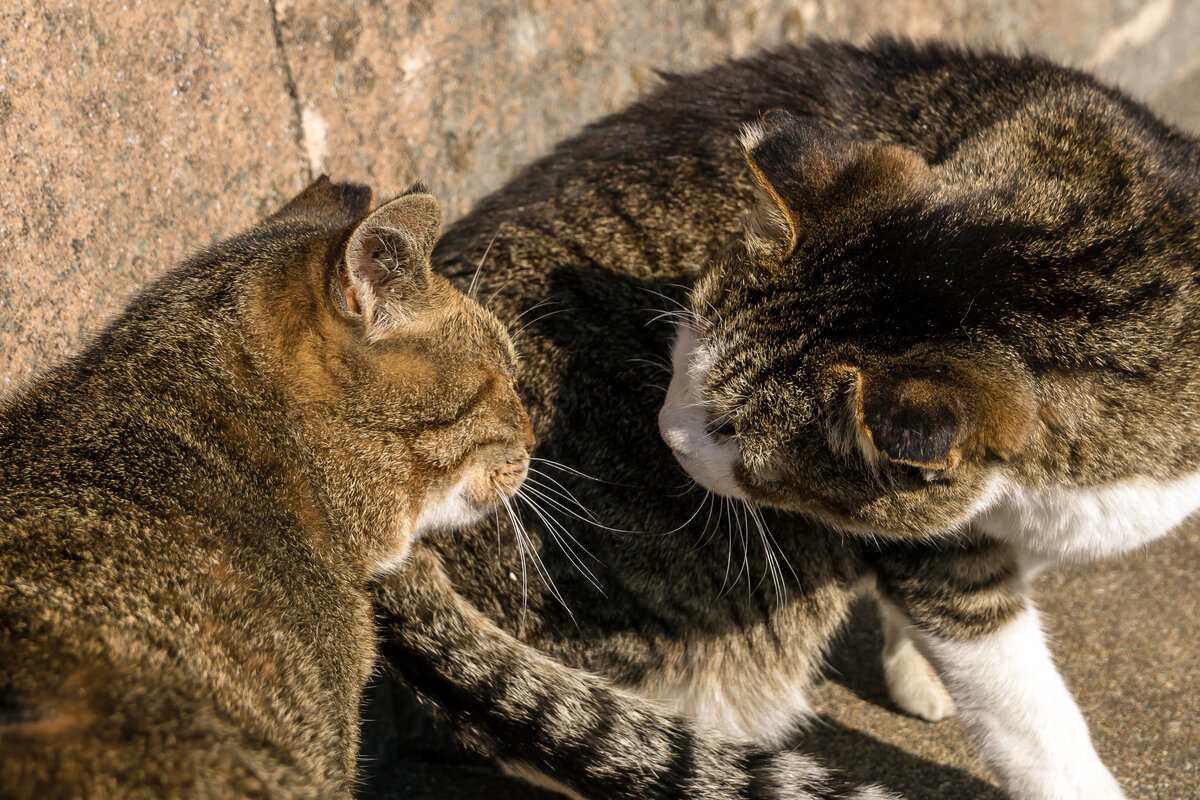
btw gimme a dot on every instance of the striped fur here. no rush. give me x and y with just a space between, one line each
191 508
863 396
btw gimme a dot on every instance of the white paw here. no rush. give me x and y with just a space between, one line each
914 686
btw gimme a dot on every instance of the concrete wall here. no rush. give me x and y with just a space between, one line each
132 133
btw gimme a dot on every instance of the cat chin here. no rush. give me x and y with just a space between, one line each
682 422
456 510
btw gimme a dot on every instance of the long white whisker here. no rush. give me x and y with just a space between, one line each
479 267
559 465
519 534
537 562
562 490
779 548
705 536
547 493
536 320
554 528
770 562
539 492
726 505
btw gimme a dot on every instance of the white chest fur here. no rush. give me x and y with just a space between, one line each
1075 524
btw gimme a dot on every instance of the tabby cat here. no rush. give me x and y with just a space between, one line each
958 322
191 509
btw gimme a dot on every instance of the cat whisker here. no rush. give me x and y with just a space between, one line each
557 525
686 522
542 493
688 289
492 297
517 532
744 533
682 313
727 511
680 319
771 550
525 544
547 315
544 301
686 487
562 492
562 489
674 301
474 287
571 470
705 537
564 539
660 364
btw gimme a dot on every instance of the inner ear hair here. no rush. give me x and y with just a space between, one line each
386 257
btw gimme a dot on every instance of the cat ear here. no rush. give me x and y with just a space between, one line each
937 415
803 167
339 204
385 267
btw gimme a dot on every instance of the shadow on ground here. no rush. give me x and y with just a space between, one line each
408 753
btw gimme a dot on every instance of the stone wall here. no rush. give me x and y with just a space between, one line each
133 133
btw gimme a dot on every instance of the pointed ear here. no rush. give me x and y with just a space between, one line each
385 268
935 415
339 204
803 168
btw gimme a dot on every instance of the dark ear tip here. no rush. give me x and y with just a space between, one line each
418 187
777 118
355 197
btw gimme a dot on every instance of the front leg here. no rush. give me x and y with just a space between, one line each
970 616
911 679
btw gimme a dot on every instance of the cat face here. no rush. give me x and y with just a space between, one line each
405 387
813 375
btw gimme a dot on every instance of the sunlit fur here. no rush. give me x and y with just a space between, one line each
191 509
1019 298
589 253
992 337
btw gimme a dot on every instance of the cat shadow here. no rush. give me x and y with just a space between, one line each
406 749
864 759
854 664
854 661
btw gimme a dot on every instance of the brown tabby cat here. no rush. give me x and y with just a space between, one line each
962 316
190 510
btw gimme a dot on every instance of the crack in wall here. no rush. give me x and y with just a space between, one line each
289 85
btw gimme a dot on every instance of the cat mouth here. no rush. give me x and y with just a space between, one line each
506 481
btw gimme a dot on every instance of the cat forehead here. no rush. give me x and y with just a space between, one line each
463 322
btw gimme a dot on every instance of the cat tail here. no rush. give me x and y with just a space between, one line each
518 705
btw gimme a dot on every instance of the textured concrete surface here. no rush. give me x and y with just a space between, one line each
132 133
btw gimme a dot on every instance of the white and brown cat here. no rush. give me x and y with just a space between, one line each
960 327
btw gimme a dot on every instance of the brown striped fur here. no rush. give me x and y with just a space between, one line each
846 406
191 509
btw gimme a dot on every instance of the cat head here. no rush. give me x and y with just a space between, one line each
400 387
828 366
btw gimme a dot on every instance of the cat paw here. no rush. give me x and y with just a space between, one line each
914 686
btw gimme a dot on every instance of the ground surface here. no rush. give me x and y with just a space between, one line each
133 133
1126 638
